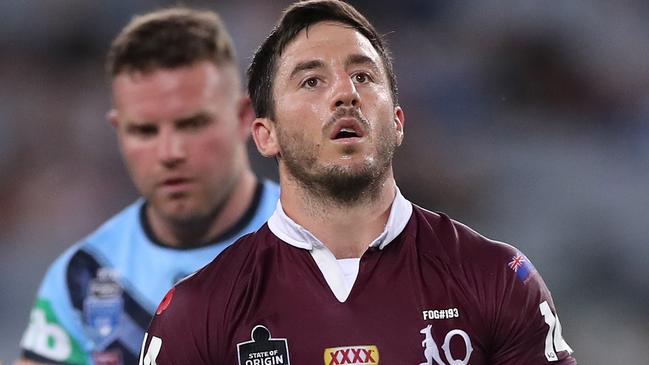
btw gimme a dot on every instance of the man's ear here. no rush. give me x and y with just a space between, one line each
265 136
246 115
112 118
399 121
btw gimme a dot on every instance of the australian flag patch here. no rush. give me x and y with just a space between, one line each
522 266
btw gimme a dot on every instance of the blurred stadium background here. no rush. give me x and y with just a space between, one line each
527 120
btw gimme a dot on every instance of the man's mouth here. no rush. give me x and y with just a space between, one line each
346 128
176 186
174 181
346 133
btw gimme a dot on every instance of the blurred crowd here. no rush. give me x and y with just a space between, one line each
527 121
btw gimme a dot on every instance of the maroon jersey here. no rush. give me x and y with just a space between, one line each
437 294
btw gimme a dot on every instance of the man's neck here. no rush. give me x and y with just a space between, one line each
203 230
346 230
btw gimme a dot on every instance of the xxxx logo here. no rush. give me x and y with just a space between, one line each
357 355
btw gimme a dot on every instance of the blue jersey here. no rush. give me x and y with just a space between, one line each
98 297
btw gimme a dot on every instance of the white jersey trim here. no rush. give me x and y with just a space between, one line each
295 235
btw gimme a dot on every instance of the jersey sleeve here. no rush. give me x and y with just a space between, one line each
177 334
527 326
55 331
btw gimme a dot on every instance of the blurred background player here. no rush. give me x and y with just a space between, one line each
182 122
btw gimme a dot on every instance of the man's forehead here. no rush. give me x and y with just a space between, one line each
327 39
202 78
201 70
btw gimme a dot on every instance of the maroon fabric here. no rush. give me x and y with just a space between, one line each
436 273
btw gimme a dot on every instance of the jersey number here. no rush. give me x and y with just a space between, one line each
152 350
554 341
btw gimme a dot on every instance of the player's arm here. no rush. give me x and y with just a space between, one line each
177 333
55 331
528 327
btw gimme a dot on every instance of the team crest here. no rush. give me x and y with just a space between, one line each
432 350
357 355
263 349
103 307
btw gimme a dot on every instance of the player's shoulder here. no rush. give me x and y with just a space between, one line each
441 235
231 268
118 226
215 290
474 258
82 255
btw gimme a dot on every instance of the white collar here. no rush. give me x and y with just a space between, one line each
295 235
341 285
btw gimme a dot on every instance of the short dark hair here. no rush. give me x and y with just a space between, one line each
298 16
170 38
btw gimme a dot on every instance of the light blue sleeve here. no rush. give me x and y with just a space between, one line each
55 330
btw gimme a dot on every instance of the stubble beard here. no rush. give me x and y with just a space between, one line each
197 209
344 186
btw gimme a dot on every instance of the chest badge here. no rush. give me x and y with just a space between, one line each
356 355
432 353
263 349
103 307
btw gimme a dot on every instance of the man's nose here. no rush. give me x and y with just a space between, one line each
345 93
171 148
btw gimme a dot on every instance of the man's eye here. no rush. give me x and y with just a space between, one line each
194 123
362 78
143 130
310 83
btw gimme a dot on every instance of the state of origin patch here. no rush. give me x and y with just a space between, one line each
263 349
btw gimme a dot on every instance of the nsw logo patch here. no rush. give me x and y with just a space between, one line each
263 349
